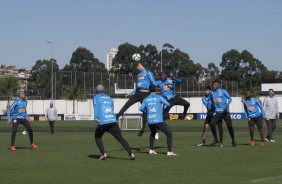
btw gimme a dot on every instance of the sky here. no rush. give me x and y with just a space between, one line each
205 29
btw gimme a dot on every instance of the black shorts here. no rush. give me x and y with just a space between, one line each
255 121
209 118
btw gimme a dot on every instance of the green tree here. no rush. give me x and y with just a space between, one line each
82 66
123 63
9 85
212 72
40 83
73 93
83 60
242 67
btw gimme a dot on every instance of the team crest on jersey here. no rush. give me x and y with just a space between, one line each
219 93
253 102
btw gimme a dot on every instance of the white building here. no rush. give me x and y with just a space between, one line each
111 54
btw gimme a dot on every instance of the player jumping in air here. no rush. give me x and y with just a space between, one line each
145 78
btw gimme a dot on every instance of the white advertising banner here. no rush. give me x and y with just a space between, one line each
78 117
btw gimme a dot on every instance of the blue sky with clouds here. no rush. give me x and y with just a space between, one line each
204 29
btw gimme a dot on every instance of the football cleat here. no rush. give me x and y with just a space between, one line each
170 153
201 144
13 148
152 152
262 143
252 142
33 146
271 140
103 157
215 142
132 156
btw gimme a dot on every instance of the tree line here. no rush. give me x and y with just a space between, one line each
242 67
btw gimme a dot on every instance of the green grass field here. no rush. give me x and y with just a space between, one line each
70 156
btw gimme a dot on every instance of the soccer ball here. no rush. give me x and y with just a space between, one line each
24 132
136 57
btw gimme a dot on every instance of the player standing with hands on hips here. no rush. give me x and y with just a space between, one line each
51 115
107 122
19 116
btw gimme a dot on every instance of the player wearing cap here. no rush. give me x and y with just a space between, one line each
145 78
107 122
51 115
17 114
255 114
152 106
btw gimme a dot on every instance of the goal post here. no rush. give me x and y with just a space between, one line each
130 122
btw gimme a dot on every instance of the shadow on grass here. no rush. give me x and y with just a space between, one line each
19 148
93 156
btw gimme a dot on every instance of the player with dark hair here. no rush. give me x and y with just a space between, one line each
255 114
166 84
107 122
270 105
145 78
19 116
221 100
152 106
208 103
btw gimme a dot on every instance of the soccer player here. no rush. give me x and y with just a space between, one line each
152 106
166 84
221 100
51 115
145 78
107 122
270 105
19 116
255 113
206 99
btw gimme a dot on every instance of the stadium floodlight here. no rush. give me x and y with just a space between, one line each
52 82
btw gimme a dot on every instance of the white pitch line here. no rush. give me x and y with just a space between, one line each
268 180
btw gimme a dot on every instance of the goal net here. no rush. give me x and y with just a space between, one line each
130 122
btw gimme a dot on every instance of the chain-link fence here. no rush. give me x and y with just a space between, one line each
118 85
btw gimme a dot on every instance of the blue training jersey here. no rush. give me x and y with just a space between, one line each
167 87
104 109
220 98
208 103
253 108
145 79
18 109
152 106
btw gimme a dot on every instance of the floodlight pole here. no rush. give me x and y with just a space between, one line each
161 60
52 82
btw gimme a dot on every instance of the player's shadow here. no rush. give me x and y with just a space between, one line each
93 156
145 150
19 148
